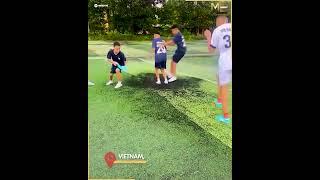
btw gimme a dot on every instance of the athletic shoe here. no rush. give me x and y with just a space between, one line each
119 84
166 81
90 83
221 118
216 103
158 82
108 83
169 75
172 79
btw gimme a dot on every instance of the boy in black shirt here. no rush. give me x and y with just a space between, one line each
116 57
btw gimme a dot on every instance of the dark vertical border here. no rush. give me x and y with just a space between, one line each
272 71
48 86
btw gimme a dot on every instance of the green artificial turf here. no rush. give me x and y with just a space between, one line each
172 125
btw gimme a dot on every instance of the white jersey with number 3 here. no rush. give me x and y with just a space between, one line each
221 39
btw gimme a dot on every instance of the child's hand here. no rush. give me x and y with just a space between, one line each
164 43
207 34
115 63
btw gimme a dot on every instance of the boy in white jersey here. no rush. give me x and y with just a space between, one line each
221 40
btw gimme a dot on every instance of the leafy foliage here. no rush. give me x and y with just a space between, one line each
142 16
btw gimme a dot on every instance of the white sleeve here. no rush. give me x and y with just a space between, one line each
214 40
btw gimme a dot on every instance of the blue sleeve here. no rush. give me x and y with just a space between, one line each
153 44
176 39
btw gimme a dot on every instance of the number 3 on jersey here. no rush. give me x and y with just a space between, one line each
228 42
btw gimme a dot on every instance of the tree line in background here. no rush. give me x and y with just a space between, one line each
143 16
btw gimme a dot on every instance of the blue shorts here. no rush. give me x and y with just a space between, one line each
161 65
113 69
178 56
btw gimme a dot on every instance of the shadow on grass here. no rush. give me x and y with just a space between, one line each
158 108
140 96
148 81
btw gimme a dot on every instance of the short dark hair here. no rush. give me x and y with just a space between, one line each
174 26
157 32
116 44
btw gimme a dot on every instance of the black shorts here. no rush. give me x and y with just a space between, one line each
178 56
161 65
113 69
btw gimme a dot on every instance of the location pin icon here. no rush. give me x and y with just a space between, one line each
109 158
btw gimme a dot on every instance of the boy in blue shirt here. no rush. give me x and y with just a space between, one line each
181 50
160 52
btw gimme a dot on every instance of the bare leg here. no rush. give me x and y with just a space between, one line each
111 76
118 74
224 98
218 89
157 73
173 68
164 74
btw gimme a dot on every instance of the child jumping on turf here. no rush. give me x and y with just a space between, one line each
160 52
178 39
116 57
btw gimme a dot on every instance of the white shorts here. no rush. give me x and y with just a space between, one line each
224 77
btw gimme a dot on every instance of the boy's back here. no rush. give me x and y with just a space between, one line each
179 41
160 50
221 39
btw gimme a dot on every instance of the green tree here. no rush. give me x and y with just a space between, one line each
132 16
96 15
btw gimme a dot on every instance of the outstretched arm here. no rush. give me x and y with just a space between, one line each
112 62
109 59
169 43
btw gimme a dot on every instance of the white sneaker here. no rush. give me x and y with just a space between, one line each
169 75
108 83
166 81
90 83
119 84
172 79
158 82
